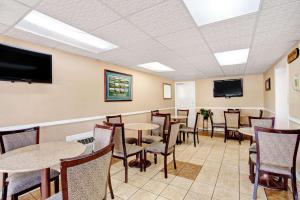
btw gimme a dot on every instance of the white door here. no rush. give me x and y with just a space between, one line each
281 95
185 99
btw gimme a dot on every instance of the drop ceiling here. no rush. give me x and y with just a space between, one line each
164 31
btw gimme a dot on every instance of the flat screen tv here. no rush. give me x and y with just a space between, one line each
228 88
23 65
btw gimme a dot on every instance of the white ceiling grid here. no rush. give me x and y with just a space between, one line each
164 31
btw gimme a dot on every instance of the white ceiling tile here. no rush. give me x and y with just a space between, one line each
30 2
121 33
192 51
22 35
86 15
11 11
75 50
273 3
236 27
3 28
230 44
163 18
127 7
188 37
119 55
233 70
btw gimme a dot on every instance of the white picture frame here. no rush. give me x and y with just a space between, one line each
167 91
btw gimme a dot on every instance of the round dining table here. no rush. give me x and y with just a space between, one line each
39 157
140 127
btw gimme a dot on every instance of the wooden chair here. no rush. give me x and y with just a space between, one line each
193 130
85 177
117 119
164 149
17 184
157 135
215 125
232 124
183 112
103 136
123 150
276 155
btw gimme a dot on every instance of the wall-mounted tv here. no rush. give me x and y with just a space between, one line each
228 88
23 65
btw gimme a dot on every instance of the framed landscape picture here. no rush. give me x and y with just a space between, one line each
117 86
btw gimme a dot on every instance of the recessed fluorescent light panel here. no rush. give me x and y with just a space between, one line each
156 66
210 11
48 27
232 57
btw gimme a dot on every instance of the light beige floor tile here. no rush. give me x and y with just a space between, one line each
202 189
181 182
155 187
196 196
143 194
225 194
161 177
161 198
138 180
115 182
173 192
125 191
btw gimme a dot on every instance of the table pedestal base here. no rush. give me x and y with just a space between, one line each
137 163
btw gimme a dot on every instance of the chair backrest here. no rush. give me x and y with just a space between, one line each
264 122
232 119
198 114
172 135
86 177
10 140
277 147
183 112
119 137
154 112
103 136
114 119
161 120
168 121
211 114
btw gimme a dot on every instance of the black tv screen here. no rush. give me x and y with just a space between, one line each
23 65
228 88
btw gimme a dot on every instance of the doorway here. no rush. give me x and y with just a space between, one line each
185 99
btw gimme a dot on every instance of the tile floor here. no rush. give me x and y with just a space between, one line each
213 170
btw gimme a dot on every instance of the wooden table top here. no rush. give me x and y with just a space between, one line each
38 156
141 126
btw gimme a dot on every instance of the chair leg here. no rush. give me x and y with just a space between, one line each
145 159
212 132
294 185
194 139
142 163
110 187
4 191
255 184
197 137
165 166
174 161
155 158
183 136
225 136
56 185
14 197
126 170
251 171
240 138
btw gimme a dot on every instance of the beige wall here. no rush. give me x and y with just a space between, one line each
77 91
252 85
294 96
269 96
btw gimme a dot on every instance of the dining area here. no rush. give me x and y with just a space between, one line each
72 171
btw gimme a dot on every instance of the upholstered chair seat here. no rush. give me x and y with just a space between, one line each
158 147
152 138
252 148
271 168
130 150
22 181
187 129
